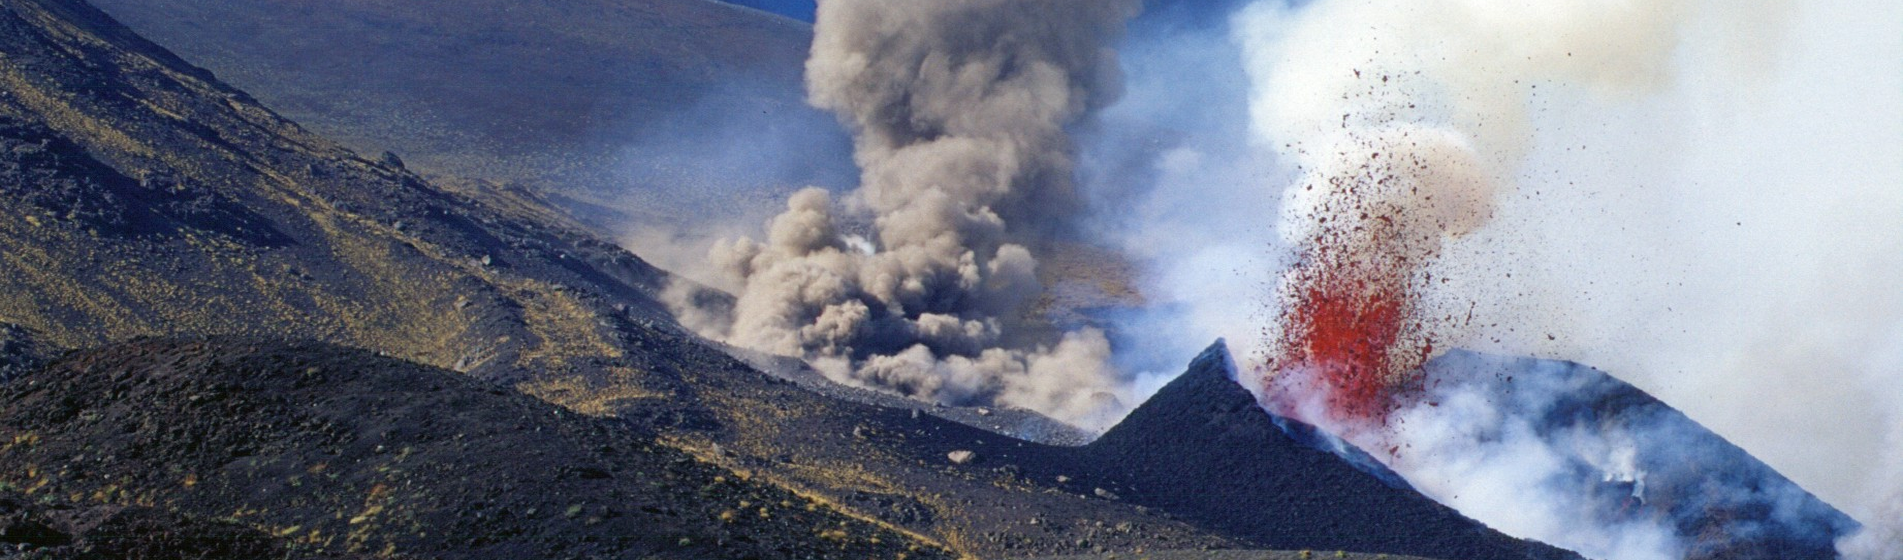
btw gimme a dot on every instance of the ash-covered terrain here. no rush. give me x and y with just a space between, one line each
224 335
318 449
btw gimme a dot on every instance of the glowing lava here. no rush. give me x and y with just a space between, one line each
1348 337
1367 226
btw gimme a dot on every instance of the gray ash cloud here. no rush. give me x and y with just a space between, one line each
918 280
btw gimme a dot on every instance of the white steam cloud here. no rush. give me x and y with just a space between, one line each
1881 540
919 280
1700 197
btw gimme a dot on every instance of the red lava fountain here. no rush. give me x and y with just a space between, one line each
1352 339
1343 336
1349 336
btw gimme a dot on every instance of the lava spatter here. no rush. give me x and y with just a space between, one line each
1370 222
1343 337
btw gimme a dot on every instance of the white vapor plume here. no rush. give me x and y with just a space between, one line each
1588 463
1704 198
918 281
1880 540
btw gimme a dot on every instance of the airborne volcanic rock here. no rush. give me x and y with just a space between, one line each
1202 448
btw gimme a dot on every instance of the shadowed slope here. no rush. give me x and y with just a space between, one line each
342 450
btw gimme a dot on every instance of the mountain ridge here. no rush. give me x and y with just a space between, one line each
569 97
1626 456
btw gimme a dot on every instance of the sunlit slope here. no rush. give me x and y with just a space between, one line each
152 200
570 96
144 198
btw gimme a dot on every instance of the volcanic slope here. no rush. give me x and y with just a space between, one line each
337 450
145 198
615 108
1725 503
52 529
151 200
631 117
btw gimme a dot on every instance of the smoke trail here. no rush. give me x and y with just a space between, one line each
1161 169
918 281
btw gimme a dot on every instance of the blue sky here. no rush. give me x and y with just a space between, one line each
797 9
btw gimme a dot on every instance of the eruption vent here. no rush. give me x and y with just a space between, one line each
1406 120
917 281
1366 223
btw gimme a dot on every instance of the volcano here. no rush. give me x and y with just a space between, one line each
1204 445
342 356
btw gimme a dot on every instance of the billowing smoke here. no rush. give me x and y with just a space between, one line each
1645 187
919 280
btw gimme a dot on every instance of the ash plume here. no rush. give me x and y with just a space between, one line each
918 281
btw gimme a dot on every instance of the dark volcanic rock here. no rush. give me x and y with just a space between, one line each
23 525
54 179
20 351
142 532
344 451
1202 448
50 527
1627 457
